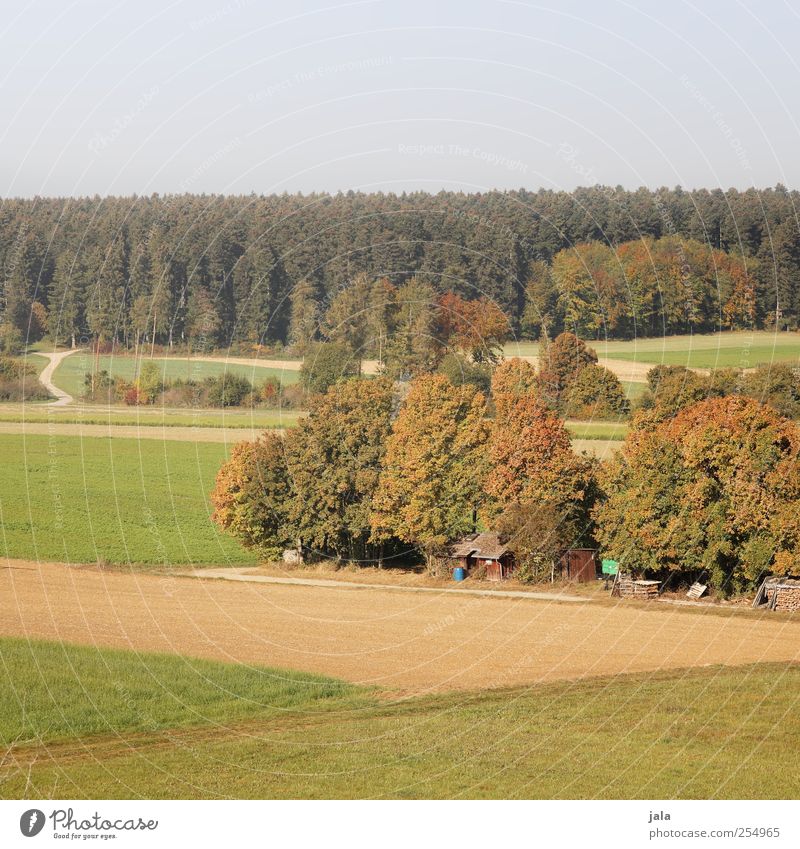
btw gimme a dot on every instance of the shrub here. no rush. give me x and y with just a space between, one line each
150 383
18 382
228 390
132 397
596 393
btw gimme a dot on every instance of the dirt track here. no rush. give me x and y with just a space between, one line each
404 642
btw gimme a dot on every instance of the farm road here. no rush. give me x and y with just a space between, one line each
46 377
404 642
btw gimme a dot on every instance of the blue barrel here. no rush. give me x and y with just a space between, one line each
459 574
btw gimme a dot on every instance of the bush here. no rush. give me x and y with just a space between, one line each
18 382
150 383
132 397
228 390
270 391
596 394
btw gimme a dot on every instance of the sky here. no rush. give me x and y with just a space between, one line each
240 96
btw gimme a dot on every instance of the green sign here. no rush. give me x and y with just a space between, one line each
610 567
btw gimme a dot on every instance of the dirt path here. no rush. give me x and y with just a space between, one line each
405 642
46 377
247 575
627 371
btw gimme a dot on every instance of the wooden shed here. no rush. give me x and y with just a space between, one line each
579 564
484 550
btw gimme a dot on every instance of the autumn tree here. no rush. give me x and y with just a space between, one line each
253 495
334 458
477 328
514 376
531 458
431 484
714 490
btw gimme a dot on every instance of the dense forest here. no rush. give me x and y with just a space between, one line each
213 271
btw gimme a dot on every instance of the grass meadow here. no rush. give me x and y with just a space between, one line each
120 501
231 417
69 376
92 723
737 349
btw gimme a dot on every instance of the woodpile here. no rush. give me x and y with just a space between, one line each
778 594
627 587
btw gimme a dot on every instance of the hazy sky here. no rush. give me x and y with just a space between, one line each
242 96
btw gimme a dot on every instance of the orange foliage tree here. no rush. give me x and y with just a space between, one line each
531 458
714 490
253 494
479 328
431 483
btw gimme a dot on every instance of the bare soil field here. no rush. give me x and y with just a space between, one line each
403 642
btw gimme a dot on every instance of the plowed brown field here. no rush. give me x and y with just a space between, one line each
401 641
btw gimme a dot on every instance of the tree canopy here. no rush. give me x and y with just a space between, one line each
714 490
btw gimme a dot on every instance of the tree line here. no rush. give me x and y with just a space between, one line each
214 271
706 485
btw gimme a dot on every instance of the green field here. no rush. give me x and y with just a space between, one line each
89 723
740 349
84 500
232 417
69 376
597 430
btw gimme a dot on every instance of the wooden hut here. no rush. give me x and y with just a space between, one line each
579 564
484 550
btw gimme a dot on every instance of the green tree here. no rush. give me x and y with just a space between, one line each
326 363
414 347
561 364
305 317
596 393
347 319
150 382
334 458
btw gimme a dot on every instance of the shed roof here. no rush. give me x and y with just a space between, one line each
485 545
